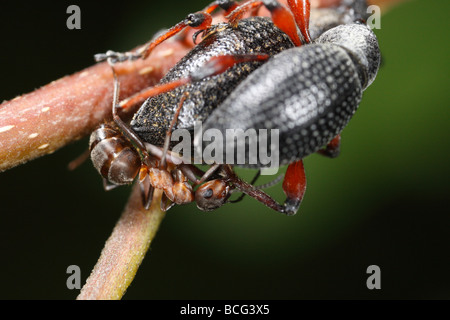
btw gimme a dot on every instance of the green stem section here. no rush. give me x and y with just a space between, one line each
124 250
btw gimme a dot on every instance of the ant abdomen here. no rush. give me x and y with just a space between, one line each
113 155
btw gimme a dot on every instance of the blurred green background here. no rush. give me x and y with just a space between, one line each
384 201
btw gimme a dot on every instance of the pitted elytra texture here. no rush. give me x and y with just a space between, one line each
362 45
308 93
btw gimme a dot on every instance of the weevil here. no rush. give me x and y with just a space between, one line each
308 93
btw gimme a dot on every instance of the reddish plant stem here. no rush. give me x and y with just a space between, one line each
40 122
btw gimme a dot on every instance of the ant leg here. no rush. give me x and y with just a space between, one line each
78 161
163 164
262 186
192 172
133 137
108 186
258 174
209 173
251 191
166 204
271 183
130 134
180 185
281 16
212 67
147 197
333 148
294 186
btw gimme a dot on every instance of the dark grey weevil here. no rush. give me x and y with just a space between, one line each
308 93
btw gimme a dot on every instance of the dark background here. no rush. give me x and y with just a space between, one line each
384 201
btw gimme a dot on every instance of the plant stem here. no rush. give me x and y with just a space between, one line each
40 122
124 250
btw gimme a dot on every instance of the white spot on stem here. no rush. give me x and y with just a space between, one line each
166 53
146 70
33 135
45 145
6 128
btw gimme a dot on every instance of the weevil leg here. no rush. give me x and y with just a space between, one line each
212 67
198 20
294 186
141 96
333 148
301 11
219 64
226 5
281 16
238 13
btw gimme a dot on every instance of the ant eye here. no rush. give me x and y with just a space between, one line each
208 193
212 195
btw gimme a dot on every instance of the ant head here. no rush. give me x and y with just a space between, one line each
113 155
212 195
